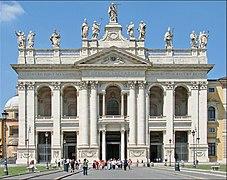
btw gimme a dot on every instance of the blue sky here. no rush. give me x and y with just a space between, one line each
67 17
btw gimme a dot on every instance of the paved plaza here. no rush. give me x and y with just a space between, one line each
134 173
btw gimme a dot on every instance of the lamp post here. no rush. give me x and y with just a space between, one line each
27 140
170 151
4 117
197 142
193 134
46 135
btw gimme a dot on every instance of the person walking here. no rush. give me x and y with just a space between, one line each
85 166
72 164
125 164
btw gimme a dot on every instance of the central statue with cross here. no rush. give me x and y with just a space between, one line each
113 13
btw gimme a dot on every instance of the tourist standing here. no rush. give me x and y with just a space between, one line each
85 166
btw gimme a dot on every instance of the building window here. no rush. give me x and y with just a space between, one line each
112 107
211 149
211 90
211 114
13 131
211 130
16 115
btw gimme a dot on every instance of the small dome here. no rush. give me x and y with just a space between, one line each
12 103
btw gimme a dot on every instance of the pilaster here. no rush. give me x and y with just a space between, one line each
56 109
94 115
141 115
132 114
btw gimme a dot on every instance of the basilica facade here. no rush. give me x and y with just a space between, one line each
112 98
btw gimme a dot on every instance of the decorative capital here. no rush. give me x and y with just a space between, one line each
194 85
131 84
56 85
141 84
94 84
21 86
30 85
203 84
83 85
169 85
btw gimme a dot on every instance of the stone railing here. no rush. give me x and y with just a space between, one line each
65 117
112 118
62 52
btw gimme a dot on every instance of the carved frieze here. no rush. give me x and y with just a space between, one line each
136 153
87 154
56 154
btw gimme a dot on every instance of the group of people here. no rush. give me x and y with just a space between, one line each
112 164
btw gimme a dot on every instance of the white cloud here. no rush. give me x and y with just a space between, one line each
10 11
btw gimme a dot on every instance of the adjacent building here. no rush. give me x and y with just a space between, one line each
216 102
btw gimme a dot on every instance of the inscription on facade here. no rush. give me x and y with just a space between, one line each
114 73
176 75
49 75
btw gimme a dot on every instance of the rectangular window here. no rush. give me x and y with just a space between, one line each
211 149
211 130
16 115
211 90
13 131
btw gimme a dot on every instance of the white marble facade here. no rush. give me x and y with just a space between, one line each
112 98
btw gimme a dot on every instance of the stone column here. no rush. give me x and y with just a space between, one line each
104 145
141 115
94 115
169 111
202 145
147 117
56 116
122 144
104 104
132 114
194 104
122 104
22 119
31 114
84 114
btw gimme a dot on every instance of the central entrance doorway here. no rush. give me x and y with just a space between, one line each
113 145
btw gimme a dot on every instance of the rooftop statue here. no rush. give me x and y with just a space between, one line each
55 39
84 29
113 13
203 40
142 30
31 38
95 30
21 41
130 30
168 38
194 39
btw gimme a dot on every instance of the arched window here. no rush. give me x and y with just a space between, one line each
181 101
70 101
211 114
156 101
113 107
113 100
44 101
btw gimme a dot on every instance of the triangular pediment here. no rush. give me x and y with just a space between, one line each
114 56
